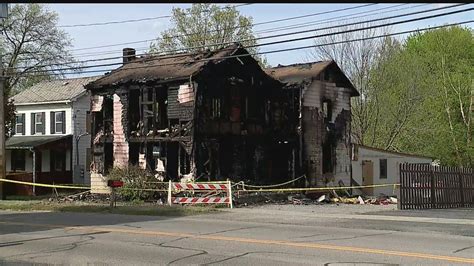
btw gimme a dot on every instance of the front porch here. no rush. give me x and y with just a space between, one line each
38 159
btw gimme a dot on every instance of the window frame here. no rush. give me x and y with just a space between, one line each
36 123
59 156
17 155
22 132
56 123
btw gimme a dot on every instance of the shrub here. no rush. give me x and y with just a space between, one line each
137 183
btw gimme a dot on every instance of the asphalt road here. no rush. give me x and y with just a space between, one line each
250 236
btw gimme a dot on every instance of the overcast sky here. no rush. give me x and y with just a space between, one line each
84 37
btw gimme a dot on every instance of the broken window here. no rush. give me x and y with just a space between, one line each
108 157
327 110
108 113
153 108
383 168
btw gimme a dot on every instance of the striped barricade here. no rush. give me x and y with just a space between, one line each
200 187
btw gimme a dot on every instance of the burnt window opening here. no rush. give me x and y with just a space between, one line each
329 153
133 153
161 108
235 104
154 108
327 110
98 122
108 157
383 168
184 162
108 113
215 107
133 109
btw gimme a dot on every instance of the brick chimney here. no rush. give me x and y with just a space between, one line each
128 55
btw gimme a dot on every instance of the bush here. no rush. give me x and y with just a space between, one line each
137 183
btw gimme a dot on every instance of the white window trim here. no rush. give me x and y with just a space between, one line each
36 124
16 125
56 123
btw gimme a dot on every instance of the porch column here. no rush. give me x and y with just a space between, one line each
34 171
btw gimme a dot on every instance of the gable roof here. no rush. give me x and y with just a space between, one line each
53 91
392 152
165 67
296 73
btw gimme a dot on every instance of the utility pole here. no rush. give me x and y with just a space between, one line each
3 14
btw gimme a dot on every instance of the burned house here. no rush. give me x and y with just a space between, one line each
218 115
215 115
325 101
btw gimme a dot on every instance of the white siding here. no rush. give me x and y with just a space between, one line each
75 125
393 163
80 109
47 108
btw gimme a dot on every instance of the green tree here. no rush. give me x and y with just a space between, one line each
426 92
31 45
206 27
445 121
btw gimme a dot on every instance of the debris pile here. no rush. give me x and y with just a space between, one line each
260 198
86 196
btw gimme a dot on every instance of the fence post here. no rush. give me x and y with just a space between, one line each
399 191
169 193
433 196
230 193
461 188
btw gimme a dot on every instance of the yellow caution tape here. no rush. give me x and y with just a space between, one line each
201 182
42 185
315 188
271 186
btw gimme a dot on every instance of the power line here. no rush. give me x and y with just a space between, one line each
350 24
282 50
286 34
144 48
299 25
232 28
133 20
340 18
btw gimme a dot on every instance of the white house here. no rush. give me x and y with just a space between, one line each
51 141
372 166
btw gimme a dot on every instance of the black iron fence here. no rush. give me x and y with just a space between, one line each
423 186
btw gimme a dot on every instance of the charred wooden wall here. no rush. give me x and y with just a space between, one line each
326 133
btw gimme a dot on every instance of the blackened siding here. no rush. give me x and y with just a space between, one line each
175 109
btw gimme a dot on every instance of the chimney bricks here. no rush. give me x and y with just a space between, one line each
128 55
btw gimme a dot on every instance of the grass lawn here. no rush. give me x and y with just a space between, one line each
131 209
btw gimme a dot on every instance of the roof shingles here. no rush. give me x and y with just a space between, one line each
53 91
